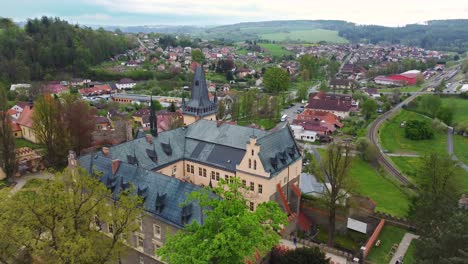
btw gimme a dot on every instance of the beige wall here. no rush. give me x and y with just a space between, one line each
190 119
29 134
173 170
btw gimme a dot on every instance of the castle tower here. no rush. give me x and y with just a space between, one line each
199 106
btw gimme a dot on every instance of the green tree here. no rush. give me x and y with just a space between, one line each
197 55
230 233
333 173
367 151
276 80
302 92
446 115
221 110
7 139
323 86
418 130
59 222
431 104
368 108
50 129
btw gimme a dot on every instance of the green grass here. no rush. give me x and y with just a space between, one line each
409 256
309 35
20 143
392 136
388 196
3 184
352 240
405 89
216 77
389 236
460 147
275 50
266 124
460 105
409 166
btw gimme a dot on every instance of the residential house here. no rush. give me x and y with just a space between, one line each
20 86
26 124
97 89
341 84
55 87
102 123
338 104
125 84
79 82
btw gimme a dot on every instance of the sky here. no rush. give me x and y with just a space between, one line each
219 12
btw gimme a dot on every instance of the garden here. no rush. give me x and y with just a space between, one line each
390 237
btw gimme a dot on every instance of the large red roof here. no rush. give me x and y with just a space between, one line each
25 118
330 102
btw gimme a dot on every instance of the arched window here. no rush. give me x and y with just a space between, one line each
250 163
255 164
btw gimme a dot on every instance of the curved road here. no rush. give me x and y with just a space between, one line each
373 133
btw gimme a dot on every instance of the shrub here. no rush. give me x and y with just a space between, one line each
418 130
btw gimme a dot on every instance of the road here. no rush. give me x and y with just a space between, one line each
450 149
142 44
373 132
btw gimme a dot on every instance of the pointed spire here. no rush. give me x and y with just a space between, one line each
153 119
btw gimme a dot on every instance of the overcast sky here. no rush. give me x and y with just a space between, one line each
216 12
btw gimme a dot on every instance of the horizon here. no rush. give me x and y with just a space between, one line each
203 13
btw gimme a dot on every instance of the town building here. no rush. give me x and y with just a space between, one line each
125 84
26 123
338 104
199 106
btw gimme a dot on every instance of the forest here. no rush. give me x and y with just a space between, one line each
445 35
50 46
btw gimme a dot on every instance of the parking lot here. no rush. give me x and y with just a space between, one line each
292 111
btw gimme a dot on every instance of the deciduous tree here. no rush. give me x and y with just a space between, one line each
230 233
368 108
276 80
7 139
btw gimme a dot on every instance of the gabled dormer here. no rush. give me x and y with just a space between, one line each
251 162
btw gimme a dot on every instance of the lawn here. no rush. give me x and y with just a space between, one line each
405 89
460 147
216 77
351 241
460 105
389 236
409 256
309 35
387 194
33 184
275 50
392 136
266 124
20 143
409 166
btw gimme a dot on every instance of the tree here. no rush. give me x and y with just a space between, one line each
323 86
302 92
50 128
446 115
333 173
7 139
442 85
299 256
79 121
276 80
418 130
221 110
197 55
59 222
368 108
171 107
230 233
367 151
431 104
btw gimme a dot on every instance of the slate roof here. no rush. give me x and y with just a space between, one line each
150 185
199 103
330 102
207 142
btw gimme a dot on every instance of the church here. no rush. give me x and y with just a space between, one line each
165 167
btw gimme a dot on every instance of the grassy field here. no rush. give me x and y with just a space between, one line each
388 196
392 137
19 142
405 89
389 236
409 256
351 241
266 124
275 50
460 147
309 35
409 166
461 108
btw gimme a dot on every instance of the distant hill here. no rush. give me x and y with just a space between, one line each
448 35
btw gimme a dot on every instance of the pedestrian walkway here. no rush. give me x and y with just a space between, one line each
333 258
403 246
450 148
21 181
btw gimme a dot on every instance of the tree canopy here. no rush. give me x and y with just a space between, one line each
230 233
50 45
276 80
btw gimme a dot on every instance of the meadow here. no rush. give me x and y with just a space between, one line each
309 35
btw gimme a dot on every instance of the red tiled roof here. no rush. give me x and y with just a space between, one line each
25 118
311 115
330 102
142 112
15 127
97 89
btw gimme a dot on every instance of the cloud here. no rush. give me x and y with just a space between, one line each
395 12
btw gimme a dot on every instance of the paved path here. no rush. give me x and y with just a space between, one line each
336 259
403 155
403 246
450 148
21 181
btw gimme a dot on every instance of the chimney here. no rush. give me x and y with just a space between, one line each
105 151
115 166
149 138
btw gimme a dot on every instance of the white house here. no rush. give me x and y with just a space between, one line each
125 84
301 134
13 87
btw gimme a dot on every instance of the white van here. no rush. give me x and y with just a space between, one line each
283 118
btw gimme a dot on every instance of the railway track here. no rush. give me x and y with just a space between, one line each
373 132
